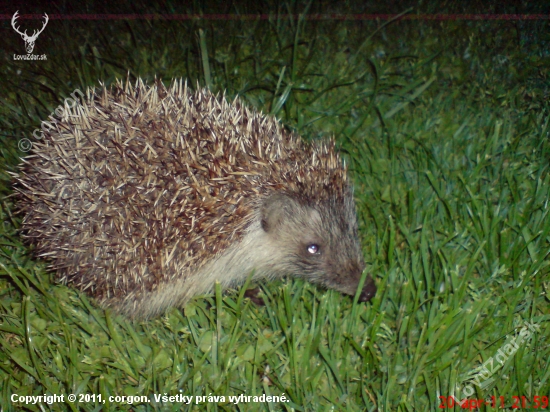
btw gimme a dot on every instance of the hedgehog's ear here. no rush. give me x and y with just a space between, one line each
275 210
283 209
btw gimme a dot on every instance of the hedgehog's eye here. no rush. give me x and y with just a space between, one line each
314 249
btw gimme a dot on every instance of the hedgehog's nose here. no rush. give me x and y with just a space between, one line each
369 290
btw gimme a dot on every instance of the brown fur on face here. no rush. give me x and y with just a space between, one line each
318 240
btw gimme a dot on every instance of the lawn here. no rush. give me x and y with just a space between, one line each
444 125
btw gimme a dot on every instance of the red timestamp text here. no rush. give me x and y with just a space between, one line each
514 402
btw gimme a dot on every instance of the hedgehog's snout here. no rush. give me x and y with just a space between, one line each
369 290
369 287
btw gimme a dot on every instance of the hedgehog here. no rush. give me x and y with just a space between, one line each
144 196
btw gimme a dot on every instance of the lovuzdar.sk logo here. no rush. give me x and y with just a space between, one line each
29 40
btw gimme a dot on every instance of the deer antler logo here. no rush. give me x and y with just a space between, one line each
29 40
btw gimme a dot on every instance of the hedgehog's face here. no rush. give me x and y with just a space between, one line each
317 242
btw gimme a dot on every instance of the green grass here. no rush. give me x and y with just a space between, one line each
445 128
